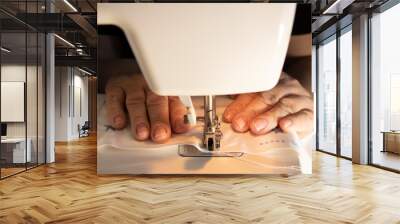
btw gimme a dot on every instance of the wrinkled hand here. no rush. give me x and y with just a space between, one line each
150 116
288 106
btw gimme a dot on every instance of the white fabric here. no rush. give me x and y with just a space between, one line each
272 153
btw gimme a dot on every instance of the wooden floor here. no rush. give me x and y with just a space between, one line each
387 159
5 172
69 191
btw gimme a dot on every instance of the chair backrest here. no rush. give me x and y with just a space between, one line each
86 125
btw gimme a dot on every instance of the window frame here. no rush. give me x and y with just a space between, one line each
334 37
378 10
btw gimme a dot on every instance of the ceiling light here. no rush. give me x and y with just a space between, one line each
70 5
331 7
5 50
64 40
337 7
84 71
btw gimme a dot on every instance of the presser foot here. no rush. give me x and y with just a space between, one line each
196 151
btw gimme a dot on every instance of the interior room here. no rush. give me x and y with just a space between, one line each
50 76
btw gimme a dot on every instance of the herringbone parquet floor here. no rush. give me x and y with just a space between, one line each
69 191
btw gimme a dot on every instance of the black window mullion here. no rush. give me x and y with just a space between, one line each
338 94
26 87
37 90
317 96
369 77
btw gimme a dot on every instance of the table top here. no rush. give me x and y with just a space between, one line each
392 132
13 140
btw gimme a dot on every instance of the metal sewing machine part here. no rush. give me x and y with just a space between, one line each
203 49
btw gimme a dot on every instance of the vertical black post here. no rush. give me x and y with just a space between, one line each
45 93
25 86
37 89
338 96
317 96
47 6
369 95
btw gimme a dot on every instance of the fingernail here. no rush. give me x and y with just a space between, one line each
141 130
260 124
240 123
118 120
160 133
287 124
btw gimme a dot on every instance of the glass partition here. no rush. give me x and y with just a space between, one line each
22 77
326 104
346 93
385 89
15 151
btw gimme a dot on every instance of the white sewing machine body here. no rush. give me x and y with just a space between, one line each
200 49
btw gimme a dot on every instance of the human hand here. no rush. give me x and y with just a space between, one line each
288 106
150 116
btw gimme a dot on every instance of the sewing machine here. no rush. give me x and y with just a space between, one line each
203 50
196 49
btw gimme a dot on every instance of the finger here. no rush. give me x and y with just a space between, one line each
267 121
157 107
136 106
300 122
241 121
262 102
286 86
115 98
237 105
177 112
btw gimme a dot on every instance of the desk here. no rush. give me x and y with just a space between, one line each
13 150
391 141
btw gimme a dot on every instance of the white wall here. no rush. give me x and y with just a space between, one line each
70 83
17 73
61 103
81 82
